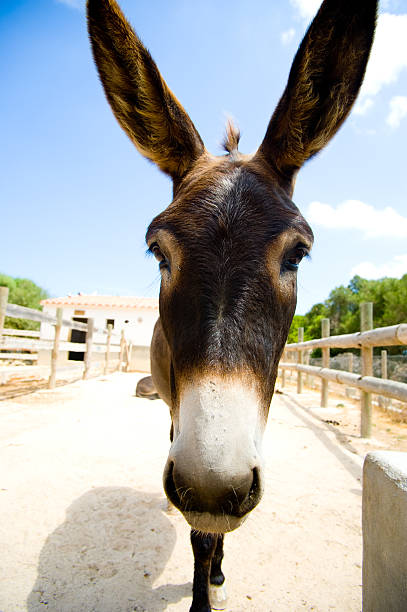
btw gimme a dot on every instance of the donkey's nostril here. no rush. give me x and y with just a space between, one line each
169 486
253 495
214 494
255 489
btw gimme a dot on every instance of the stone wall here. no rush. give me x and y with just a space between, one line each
385 532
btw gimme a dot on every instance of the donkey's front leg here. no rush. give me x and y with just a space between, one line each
203 546
217 591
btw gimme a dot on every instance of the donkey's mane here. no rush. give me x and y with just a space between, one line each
232 136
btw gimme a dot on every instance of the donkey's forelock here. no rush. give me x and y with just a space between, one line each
232 137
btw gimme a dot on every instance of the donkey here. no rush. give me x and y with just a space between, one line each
228 248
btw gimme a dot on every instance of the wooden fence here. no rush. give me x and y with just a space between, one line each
365 341
27 343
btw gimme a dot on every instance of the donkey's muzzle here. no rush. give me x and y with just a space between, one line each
214 470
217 506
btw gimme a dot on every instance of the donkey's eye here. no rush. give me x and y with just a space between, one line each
158 254
294 258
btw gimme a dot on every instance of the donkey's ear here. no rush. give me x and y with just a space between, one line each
143 104
324 81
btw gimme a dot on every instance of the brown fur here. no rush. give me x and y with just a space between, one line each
143 104
229 242
323 84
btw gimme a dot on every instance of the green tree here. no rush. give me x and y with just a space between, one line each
23 292
312 321
395 303
342 307
298 321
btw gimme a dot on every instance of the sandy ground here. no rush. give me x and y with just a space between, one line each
84 525
389 429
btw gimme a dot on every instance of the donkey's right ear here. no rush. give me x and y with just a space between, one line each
144 106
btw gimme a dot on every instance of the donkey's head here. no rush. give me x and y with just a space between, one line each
229 246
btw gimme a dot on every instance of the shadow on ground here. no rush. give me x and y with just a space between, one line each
348 463
105 557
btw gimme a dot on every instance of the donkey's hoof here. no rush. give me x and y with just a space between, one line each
218 597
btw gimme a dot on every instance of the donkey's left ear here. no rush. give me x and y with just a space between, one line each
324 81
144 106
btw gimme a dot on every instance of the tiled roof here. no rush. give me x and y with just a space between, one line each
104 301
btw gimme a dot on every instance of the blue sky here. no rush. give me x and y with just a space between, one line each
75 195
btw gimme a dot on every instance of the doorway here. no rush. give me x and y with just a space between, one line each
80 337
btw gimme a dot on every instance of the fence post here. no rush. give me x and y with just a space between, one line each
283 358
3 306
122 343
384 364
55 350
308 381
384 401
108 341
299 359
89 345
325 332
348 390
366 323
129 350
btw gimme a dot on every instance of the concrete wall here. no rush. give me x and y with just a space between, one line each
385 532
140 359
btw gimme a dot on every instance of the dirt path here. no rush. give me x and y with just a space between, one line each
84 526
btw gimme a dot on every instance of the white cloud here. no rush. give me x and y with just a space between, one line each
287 36
387 60
306 8
363 106
398 110
395 268
389 52
357 215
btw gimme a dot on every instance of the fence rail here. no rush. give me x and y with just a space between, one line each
31 344
387 388
365 340
27 333
28 340
19 356
21 312
381 336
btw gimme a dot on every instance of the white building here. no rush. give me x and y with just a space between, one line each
135 315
